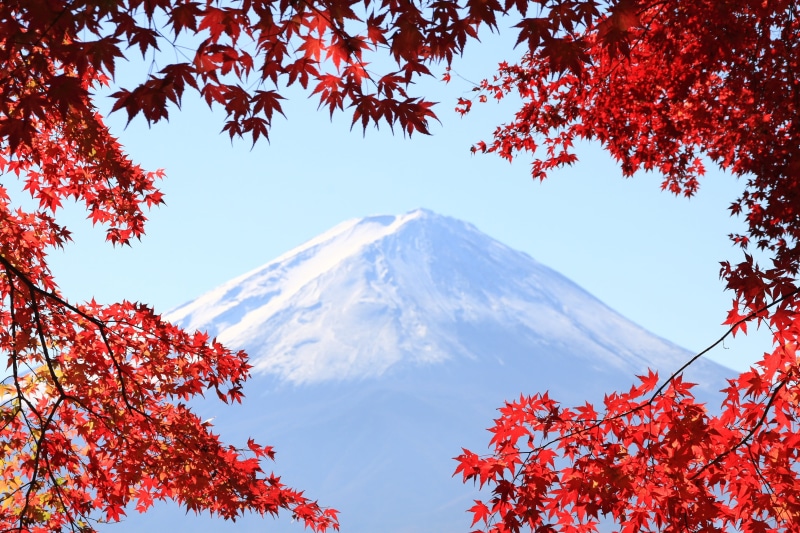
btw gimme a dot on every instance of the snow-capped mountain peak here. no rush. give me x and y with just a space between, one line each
384 292
316 256
386 344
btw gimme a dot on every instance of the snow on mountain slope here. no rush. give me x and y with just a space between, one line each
386 344
384 292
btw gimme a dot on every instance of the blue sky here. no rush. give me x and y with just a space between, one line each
649 255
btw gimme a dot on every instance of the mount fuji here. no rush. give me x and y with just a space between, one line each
384 345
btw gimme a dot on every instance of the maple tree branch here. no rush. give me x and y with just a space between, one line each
48 294
749 435
37 456
597 423
44 426
730 331
764 481
45 352
33 44
718 459
15 354
73 520
21 397
101 327
52 25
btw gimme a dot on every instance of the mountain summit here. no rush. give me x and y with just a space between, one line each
385 293
386 344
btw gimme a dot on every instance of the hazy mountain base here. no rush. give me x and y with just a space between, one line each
380 450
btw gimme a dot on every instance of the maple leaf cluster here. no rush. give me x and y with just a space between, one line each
664 86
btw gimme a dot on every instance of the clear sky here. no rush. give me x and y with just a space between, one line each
649 255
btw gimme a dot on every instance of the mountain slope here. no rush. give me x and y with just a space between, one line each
385 344
383 292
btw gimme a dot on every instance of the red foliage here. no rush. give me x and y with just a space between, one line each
662 85
92 417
